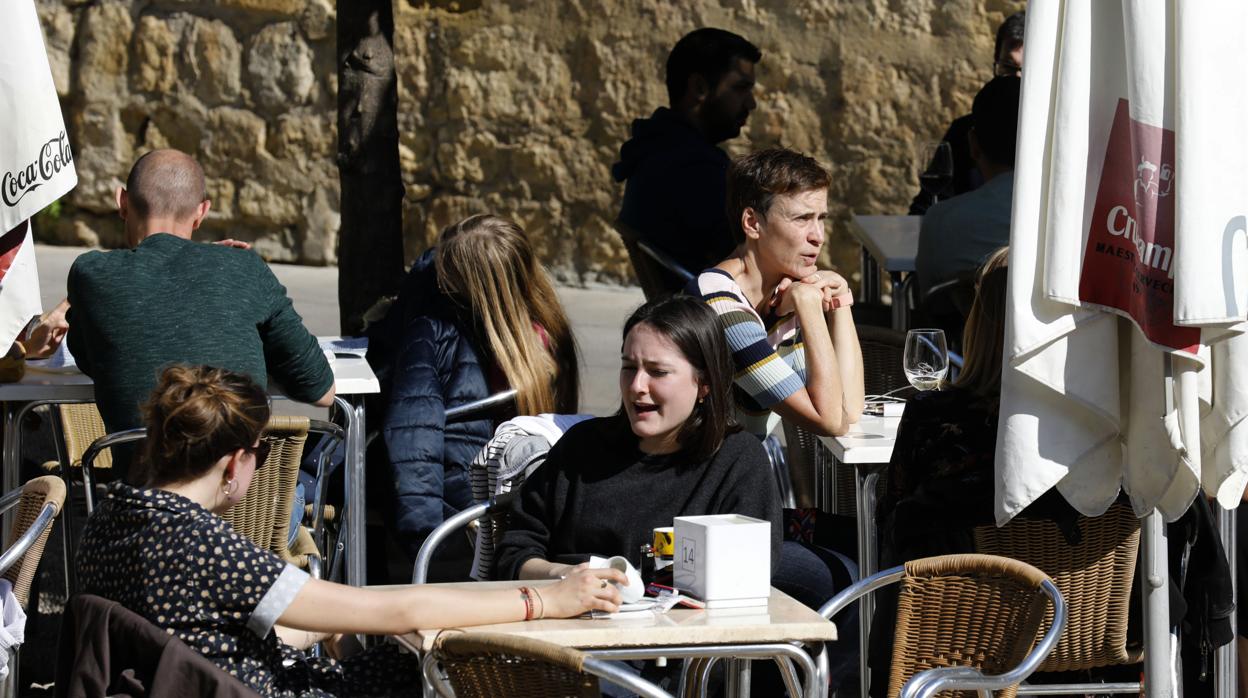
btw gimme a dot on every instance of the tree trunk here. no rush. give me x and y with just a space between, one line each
370 241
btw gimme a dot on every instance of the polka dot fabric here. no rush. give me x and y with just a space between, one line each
189 573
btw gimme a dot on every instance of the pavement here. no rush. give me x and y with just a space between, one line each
597 314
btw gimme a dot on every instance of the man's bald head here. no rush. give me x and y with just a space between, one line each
165 184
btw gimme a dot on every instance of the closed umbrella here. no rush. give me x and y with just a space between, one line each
1125 365
36 164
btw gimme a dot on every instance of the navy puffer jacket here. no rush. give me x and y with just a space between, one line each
427 363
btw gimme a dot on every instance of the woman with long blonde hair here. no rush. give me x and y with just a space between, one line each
477 315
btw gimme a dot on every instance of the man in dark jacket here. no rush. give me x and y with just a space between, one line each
1007 60
674 172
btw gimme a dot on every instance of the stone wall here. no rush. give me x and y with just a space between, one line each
514 106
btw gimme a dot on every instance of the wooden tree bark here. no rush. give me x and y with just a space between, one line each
370 241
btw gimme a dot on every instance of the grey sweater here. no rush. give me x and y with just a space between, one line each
597 494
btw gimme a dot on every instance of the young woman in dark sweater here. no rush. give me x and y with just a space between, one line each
672 450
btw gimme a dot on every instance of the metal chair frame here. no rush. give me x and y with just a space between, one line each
641 254
20 547
16 552
603 670
928 683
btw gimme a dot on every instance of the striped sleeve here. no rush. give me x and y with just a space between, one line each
760 371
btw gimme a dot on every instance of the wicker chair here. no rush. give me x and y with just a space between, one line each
486 665
1095 576
263 515
882 352
79 425
35 507
964 623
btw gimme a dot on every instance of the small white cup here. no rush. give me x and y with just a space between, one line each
635 590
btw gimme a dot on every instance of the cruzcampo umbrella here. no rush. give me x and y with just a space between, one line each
1125 361
1127 264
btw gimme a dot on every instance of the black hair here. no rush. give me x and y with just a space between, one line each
696 331
708 52
994 116
1010 33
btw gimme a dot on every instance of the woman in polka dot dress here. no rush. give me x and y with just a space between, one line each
163 552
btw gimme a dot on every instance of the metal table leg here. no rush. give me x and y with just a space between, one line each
870 286
1225 664
901 304
354 510
867 565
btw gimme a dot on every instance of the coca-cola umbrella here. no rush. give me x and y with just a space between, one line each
1123 343
36 165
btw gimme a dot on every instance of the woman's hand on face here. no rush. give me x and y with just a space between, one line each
583 590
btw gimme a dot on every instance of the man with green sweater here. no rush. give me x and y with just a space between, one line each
170 300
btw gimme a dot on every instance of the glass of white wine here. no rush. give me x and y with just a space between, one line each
926 358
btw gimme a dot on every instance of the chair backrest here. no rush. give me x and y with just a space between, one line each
882 353
975 611
498 408
264 514
36 495
1094 576
106 649
807 456
485 665
81 425
657 272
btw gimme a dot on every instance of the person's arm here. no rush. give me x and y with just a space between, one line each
537 568
820 407
849 361
414 432
326 607
48 334
291 354
524 545
76 335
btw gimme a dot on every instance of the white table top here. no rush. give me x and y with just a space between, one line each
869 441
352 376
784 619
892 240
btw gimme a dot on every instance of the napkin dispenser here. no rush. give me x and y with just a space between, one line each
724 559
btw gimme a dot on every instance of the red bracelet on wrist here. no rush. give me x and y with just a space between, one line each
528 603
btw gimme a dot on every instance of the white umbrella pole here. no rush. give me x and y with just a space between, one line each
1225 663
1158 664
1155 588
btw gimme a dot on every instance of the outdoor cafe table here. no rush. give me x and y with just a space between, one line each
352 377
893 243
867 448
756 633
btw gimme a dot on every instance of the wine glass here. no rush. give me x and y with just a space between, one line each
926 360
938 175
